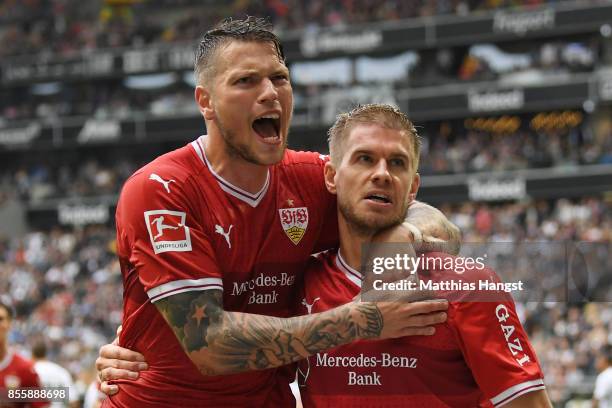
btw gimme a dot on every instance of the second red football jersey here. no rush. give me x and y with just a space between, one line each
480 357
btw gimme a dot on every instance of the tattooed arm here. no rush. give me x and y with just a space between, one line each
222 342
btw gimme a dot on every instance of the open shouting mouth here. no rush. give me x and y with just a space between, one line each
267 127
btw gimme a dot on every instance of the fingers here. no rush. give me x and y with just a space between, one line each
116 340
108 389
112 351
118 363
424 307
106 363
111 374
418 331
426 320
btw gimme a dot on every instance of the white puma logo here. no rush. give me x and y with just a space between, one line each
157 178
159 224
219 230
309 305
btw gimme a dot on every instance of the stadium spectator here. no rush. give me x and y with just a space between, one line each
16 372
602 396
54 375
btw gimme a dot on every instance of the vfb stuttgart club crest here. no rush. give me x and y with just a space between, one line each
294 222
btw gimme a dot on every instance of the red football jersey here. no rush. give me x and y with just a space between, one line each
480 357
18 372
181 227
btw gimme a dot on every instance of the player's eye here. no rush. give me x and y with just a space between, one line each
397 163
244 80
364 158
280 78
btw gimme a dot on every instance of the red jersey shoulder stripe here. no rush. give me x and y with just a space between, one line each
183 285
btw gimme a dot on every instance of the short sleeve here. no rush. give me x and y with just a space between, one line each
497 350
163 234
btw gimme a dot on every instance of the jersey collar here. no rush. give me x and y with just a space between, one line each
352 274
251 199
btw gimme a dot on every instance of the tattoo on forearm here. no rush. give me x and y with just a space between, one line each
221 342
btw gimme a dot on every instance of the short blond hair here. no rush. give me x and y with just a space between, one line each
383 115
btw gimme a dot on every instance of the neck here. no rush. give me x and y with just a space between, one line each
241 173
3 350
351 241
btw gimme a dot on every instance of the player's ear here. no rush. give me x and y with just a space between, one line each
330 177
204 101
414 188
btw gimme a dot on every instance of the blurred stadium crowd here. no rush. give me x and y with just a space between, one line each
441 154
52 28
65 283
66 27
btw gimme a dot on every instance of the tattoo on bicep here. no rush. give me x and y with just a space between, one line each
191 314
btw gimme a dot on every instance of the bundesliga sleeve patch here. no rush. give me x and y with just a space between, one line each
167 231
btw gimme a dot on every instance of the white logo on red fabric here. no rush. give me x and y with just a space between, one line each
294 222
167 231
514 344
219 230
166 183
309 305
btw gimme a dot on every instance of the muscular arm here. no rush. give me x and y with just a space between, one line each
222 342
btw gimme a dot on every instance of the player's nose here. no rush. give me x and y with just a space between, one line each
268 91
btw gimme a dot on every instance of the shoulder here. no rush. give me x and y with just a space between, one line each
165 183
304 171
50 367
22 363
165 172
19 359
606 376
302 165
293 157
166 186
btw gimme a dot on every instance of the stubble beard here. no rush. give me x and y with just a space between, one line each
367 226
238 150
